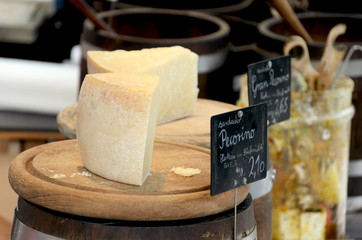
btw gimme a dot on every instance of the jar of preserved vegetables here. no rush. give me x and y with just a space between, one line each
310 153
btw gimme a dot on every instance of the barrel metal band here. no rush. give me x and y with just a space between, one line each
253 235
21 231
264 186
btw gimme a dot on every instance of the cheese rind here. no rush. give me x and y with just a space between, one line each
116 120
176 66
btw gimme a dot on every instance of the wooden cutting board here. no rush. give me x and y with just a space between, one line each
194 129
66 121
53 176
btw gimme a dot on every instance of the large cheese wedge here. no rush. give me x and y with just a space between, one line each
116 120
176 66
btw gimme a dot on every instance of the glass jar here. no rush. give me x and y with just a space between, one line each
310 153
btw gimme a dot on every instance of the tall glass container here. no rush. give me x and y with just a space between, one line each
310 153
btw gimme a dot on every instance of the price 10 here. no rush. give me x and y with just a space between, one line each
257 166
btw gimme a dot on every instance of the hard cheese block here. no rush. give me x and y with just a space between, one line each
116 122
296 224
176 66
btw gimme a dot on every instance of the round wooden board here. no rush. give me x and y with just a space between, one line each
66 121
53 176
194 129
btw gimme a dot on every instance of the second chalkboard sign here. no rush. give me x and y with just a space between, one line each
238 148
270 81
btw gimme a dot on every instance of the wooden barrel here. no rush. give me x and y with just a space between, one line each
261 192
43 223
52 179
194 129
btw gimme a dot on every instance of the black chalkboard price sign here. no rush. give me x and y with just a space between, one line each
238 148
270 81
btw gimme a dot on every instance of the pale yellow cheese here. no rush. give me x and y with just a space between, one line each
313 225
294 224
116 120
186 172
289 227
176 66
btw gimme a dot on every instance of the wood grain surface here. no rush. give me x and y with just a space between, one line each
263 215
194 129
53 176
66 121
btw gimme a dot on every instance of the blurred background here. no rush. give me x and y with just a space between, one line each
43 45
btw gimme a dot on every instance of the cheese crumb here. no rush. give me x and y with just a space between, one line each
186 172
86 174
58 176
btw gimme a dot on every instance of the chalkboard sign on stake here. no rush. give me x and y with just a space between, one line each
270 81
238 148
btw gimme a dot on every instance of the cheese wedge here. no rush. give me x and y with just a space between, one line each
116 121
288 225
176 66
313 225
300 225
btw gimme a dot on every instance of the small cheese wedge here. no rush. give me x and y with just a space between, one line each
286 224
313 225
296 224
176 66
116 121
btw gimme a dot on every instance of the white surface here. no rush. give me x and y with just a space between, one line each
355 168
263 186
20 19
354 203
40 87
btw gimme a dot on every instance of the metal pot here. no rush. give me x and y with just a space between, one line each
274 32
